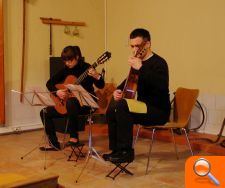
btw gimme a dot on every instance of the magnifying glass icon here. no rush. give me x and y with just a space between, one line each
202 168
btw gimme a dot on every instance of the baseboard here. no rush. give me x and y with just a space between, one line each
16 129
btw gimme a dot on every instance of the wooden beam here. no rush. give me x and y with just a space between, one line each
60 22
23 53
2 81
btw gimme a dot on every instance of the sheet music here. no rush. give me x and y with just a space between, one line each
43 97
37 96
82 95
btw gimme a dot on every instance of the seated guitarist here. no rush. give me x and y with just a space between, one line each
74 65
152 91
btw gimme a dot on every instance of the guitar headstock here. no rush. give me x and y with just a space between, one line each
141 50
103 58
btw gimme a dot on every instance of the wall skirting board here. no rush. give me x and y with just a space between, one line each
17 129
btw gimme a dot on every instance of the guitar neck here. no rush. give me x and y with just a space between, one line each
85 74
104 57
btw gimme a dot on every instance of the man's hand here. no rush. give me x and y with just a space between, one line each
61 93
92 72
135 62
117 95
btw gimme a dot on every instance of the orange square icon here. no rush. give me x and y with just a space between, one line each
205 172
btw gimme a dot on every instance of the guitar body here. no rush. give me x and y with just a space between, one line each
130 88
60 105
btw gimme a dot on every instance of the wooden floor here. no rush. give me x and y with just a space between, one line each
166 171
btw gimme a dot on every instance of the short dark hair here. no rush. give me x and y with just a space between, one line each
140 32
71 52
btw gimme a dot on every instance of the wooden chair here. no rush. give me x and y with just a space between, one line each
184 102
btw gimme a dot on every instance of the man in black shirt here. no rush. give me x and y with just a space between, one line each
152 89
75 66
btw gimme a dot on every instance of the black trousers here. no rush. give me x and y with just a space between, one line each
120 123
73 111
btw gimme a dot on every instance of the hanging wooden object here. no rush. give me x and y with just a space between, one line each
56 21
2 82
23 53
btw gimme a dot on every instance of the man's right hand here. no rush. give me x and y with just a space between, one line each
117 95
61 93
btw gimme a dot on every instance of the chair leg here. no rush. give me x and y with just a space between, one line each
188 142
174 143
137 135
150 150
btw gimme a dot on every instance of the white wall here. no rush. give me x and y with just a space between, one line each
214 107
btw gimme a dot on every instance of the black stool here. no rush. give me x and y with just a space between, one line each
62 127
119 168
76 151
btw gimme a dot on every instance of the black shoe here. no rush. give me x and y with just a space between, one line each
74 144
108 155
124 156
50 148
70 143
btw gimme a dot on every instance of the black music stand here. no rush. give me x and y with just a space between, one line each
37 97
85 99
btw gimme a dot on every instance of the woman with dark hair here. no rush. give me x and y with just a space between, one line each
75 66
70 51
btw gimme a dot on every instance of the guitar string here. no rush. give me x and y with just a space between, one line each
84 75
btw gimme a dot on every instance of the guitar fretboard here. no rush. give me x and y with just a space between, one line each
85 74
104 57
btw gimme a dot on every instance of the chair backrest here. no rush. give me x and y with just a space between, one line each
104 95
184 102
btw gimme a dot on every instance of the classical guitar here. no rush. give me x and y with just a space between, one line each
60 105
130 88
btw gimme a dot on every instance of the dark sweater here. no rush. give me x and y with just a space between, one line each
153 84
76 71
